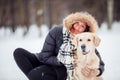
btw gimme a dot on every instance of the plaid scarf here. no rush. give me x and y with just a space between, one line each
65 54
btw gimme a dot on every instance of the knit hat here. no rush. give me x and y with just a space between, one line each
81 16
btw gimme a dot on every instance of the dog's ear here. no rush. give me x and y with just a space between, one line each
96 40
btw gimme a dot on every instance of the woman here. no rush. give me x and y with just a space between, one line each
45 65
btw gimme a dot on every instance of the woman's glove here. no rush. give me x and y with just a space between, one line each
90 72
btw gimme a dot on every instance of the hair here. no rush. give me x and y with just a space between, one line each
87 29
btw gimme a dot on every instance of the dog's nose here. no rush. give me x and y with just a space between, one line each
83 46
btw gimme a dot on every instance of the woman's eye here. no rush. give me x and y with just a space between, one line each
89 39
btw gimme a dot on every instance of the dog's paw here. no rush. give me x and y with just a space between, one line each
94 72
91 67
99 78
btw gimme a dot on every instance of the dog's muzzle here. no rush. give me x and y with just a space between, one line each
83 48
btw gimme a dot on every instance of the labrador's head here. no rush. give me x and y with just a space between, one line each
85 42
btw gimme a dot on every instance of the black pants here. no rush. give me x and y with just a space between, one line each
32 68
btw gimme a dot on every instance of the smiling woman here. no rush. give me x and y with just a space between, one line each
74 24
52 62
78 27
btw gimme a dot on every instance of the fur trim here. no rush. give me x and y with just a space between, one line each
81 16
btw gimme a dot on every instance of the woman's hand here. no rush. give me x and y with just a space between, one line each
87 72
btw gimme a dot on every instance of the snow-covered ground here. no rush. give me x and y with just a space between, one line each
109 50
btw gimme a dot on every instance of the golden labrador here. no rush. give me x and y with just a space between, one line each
85 54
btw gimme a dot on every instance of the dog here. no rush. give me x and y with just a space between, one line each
85 55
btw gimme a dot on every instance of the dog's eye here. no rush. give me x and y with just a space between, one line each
80 39
89 39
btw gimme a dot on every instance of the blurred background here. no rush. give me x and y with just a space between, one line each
14 13
25 23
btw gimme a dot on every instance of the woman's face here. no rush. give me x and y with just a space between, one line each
78 27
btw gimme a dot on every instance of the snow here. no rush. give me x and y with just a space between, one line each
109 49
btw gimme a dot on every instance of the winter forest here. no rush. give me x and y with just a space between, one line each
25 23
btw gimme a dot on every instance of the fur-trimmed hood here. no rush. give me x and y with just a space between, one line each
81 16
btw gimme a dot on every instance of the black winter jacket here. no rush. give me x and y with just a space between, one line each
51 47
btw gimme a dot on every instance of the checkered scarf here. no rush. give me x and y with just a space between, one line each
65 54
